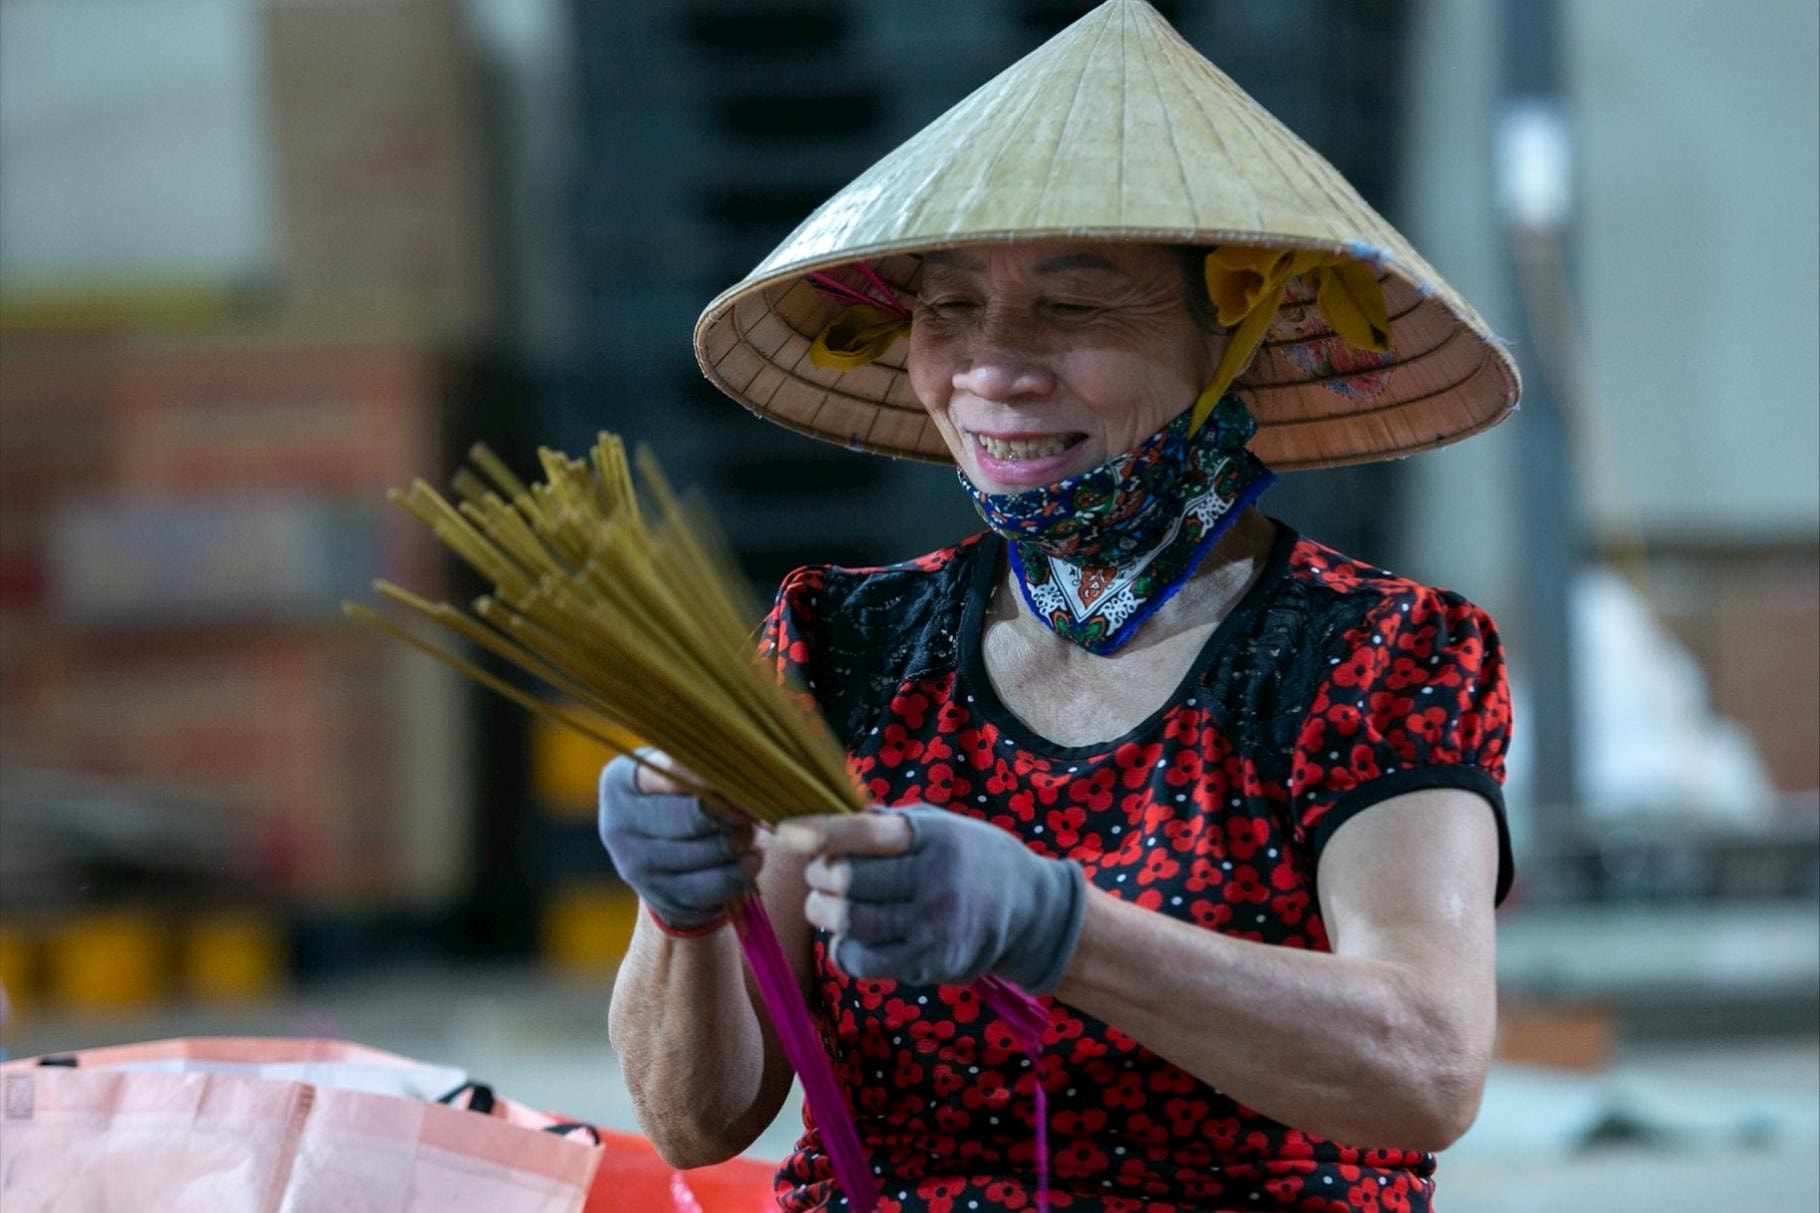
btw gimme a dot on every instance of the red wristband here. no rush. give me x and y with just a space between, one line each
674 932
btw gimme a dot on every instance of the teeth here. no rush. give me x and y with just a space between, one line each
1026 448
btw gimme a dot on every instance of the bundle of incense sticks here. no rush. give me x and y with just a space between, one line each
626 606
637 620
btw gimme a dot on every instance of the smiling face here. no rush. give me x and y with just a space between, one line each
1040 361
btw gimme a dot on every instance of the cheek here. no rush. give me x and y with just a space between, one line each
931 370
1132 394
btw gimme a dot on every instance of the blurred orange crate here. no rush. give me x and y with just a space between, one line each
565 768
114 960
18 968
233 956
587 927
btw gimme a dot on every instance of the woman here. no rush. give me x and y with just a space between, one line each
1122 744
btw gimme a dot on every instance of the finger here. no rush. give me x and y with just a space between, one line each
856 959
740 838
829 874
876 926
651 780
706 889
882 878
623 806
826 912
725 814
673 857
673 817
873 833
869 924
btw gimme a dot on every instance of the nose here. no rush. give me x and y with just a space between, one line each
1004 370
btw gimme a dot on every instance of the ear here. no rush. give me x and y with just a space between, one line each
1215 340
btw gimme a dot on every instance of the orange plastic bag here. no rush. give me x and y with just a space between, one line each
226 1125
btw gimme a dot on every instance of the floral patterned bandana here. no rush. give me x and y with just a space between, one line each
1097 554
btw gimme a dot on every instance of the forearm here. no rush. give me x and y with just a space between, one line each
704 1075
1354 1049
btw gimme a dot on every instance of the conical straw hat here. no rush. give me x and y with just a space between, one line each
1116 129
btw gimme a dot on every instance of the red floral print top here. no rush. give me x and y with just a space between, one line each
1330 687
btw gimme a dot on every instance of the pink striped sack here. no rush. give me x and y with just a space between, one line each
309 1126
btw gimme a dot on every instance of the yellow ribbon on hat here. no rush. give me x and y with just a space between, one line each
856 336
1246 284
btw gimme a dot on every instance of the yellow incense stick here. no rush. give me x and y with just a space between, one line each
637 617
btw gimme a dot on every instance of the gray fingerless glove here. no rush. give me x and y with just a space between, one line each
682 862
966 900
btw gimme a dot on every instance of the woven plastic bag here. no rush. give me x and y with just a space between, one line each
225 1126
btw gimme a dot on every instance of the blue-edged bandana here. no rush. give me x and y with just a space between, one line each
1097 554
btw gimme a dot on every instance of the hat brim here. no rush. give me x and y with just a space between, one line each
1317 406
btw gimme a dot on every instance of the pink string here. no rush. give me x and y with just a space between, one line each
682 1198
1023 1015
1028 1021
796 1032
881 295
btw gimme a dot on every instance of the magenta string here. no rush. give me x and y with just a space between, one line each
796 1032
1028 1020
835 289
1018 1011
883 288
881 295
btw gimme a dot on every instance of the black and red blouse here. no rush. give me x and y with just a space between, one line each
1330 687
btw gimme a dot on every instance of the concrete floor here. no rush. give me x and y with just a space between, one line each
1691 1126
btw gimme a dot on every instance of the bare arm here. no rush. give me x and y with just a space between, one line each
1383 1043
700 1058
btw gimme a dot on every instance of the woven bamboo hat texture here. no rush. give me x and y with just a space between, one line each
1117 130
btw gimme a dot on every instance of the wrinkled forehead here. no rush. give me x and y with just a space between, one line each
1049 259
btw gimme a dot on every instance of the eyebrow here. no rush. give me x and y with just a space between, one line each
1068 262
950 259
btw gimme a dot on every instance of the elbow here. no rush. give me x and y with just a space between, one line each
1458 1065
685 1136
1428 1096
686 1147
1460 1090
1442 1116
1428 1117
1443 1100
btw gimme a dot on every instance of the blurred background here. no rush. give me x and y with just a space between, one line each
260 262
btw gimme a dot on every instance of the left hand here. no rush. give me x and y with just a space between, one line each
930 897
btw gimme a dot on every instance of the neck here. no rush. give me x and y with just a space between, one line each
1205 599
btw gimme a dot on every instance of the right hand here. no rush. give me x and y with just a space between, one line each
686 860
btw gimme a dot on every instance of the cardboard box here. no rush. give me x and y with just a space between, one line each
378 143
1751 617
156 563
55 402
1766 675
1556 1036
338 423
184 632
82 421
294 731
